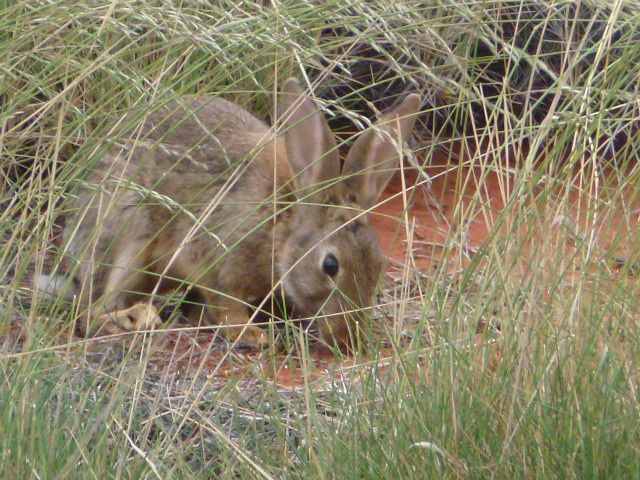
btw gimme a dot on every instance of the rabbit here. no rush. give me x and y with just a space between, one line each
203 193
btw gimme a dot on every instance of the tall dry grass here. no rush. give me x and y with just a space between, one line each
513 358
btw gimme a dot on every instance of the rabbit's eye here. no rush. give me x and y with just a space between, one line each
330 265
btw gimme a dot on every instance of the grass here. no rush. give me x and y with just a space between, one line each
512 357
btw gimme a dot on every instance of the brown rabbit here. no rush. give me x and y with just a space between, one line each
205 194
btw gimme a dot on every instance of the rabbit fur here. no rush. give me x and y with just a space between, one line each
202 193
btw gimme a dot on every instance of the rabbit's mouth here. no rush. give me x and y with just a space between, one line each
306 301
309 304
327 319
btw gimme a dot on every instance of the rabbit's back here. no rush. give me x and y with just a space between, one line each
198 123
188 149
193 134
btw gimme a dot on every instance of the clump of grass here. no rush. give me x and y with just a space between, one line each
514 357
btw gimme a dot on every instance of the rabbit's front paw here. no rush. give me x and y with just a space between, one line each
141 316
249 334
236 324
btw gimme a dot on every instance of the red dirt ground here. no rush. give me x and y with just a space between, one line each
432 205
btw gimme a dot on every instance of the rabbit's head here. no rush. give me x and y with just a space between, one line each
330 262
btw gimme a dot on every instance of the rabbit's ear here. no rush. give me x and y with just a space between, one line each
311 147
374 157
